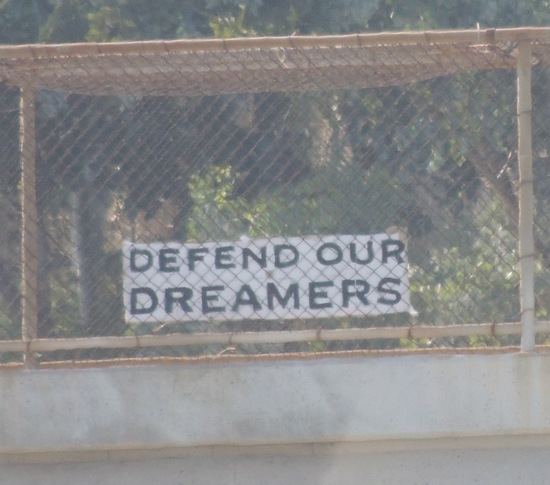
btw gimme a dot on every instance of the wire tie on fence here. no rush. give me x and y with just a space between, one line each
281 56
529 255
318 335
291 42
426 36
34 55
138 344
527 310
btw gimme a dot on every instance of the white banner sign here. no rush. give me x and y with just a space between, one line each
277 278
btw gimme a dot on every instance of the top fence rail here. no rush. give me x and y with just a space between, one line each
203 67
273 195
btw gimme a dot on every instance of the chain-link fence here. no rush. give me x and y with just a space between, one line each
266 195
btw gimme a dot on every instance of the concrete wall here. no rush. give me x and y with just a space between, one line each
397 419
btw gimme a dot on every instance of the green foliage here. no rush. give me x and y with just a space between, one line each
108 24
66 23
234 26
20 21
468 14
216 215
472 281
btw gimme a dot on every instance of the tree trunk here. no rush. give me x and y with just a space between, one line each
89 210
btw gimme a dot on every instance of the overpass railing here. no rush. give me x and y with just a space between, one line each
274 195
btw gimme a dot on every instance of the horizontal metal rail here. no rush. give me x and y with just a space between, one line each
484 36
274 337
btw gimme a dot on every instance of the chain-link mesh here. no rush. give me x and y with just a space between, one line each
541 160
10 274
215 149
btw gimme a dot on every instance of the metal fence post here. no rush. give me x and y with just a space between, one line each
526 202
29 224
